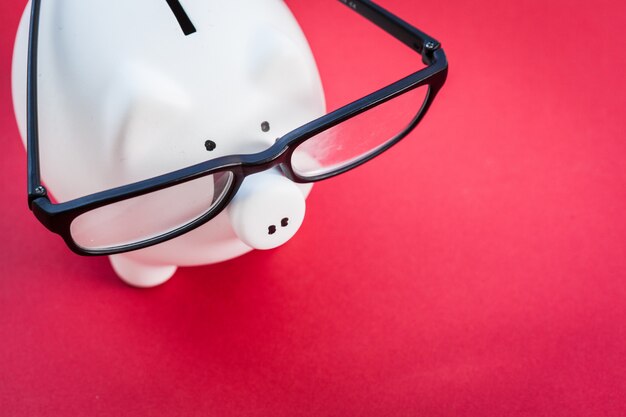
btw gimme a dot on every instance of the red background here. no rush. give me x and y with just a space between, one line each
475 269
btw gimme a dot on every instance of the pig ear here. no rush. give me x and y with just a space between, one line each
278 65
141 111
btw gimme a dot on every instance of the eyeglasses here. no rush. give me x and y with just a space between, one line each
318 150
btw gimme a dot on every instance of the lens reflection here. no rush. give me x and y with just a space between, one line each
151 215
357 137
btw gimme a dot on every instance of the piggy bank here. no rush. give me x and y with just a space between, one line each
129 90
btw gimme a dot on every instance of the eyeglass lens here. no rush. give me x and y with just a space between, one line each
357 137
148 216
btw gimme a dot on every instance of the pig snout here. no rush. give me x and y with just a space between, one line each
267 210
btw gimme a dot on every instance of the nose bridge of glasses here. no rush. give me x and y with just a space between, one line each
273 157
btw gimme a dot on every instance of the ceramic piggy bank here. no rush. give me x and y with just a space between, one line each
129 90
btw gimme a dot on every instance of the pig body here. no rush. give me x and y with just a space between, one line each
125 94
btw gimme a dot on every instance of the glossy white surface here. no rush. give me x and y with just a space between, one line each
125 95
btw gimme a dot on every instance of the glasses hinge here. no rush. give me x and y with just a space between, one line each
428 49
38 192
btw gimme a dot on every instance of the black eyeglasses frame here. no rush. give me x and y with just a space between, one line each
58 217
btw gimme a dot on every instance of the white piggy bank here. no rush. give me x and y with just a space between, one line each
129 90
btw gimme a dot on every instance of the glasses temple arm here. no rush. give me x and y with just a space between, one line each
35 190
396 27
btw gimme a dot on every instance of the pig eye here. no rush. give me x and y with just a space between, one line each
265 126
209 145
182 17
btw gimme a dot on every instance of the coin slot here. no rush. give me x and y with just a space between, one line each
181 16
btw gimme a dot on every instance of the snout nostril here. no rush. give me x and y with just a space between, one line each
271 230
284 222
